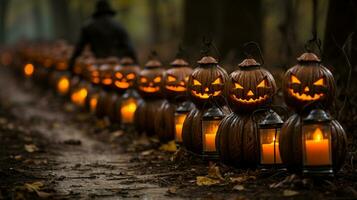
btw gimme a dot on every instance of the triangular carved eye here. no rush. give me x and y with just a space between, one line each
143 80
119 75
186 78
294 79
238 86
217 81
261 84
196 82
157 79
319 82
171 78
130 76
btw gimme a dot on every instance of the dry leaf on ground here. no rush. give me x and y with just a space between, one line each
289 193
241 179
31 148
170 147
203 180
214 172
238 187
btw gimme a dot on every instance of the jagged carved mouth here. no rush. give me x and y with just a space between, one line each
122 84
205 95
305 97
250 100
176 88
149 89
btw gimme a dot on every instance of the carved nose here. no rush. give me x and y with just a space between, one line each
307 89
151 84
182 83
250 93
206 89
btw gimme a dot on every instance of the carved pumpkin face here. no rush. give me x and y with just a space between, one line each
125 74
105 72
207 81
250 86
175 79
150 80
308 82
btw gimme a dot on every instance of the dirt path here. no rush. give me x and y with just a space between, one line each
81 166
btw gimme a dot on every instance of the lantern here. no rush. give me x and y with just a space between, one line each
129 103
269 131
180 115
93 101
79 96
29 69
63 85
316 142
210 122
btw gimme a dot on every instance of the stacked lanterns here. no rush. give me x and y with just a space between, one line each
174 88
125 77
311 141
149 87
205 89
249 87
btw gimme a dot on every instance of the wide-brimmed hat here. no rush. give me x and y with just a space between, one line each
103 8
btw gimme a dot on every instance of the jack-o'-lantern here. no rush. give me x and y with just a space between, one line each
308 83
250 86
125 74
175 80
150 80
174 87
207 82
107 96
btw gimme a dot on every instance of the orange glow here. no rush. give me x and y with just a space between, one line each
79 97
107 81
149 89
209 130
127 110
217 81
179 119
251 100
93 103
270 148
29 69
305 97
63 85
238 86
196 82
319 82
294 79
317 149
171 78
261 84
121 84
61 66
176 88
204 95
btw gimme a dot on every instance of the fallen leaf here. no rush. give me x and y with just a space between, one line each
33 187
43 195
289 193
170 147
146 153
238 187
18 157
203 180
214 172
241 179
116 134
31 148
172 190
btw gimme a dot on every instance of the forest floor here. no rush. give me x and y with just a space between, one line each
49 149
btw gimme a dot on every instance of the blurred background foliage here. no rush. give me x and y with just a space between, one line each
282 27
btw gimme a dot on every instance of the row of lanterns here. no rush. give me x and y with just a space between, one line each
205 110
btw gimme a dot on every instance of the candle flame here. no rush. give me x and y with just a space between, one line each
29 69
79 96
317 135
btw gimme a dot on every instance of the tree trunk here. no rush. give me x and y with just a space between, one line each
62 25
3 12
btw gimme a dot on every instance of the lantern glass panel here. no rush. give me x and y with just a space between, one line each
63 85
209 130
179 119
128 109
269 146
317 145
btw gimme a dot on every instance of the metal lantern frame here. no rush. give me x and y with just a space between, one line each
320 121
181 112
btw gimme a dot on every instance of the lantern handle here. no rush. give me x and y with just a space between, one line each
263 109
252 43
207 42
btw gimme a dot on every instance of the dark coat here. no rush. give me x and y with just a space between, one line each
105 37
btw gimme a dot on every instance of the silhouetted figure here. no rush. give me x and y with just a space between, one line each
104 35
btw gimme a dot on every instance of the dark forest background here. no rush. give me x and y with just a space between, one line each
281 27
